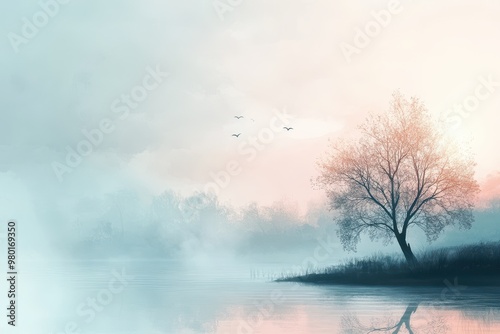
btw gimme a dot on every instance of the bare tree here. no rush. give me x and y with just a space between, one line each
402 172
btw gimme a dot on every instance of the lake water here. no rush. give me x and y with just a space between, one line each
169 297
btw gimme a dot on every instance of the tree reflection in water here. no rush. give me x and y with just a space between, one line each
432 323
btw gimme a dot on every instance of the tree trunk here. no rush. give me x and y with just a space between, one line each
407 252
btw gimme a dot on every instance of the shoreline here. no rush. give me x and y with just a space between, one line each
467 265
453 281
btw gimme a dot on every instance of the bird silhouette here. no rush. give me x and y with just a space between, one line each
238 117
287 129
236 135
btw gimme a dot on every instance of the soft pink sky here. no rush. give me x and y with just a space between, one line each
263 58
275 59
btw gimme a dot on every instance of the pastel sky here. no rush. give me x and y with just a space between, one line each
256 59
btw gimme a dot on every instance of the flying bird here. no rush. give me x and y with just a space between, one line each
238 117
287 129
236 135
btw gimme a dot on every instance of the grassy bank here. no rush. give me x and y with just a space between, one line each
477 264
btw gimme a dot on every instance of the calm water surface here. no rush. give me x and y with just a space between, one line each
169 297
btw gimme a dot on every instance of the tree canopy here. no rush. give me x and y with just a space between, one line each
401 172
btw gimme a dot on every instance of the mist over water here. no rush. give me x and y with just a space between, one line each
114 111
199 227
168 296
193 265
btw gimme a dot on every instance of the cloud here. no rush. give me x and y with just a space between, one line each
490 190
263 57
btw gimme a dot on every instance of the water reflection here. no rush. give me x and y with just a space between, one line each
166 297
435 324
477 311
